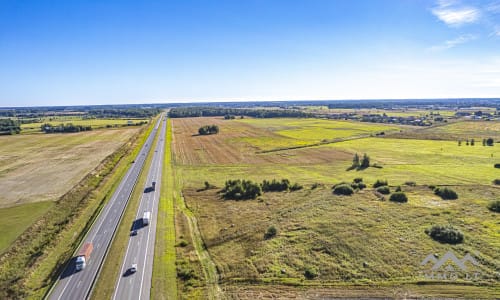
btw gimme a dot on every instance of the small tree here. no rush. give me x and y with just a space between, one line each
489 142
355 161
380 182
459 142
472 142
365 162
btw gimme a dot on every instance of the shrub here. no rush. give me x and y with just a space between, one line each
295 187
182 243
208 129
445 234
494 206
446 193
432 187
359 185
271 232
358 180
384 190
497 166
398 189
343 189
489 142
311 273
316 185
184 271
398 197
496 181
410 183
275 185
379 183
241 190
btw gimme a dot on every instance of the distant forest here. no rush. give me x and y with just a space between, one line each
186 112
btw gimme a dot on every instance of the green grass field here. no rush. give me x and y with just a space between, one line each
299 132
350 241
16 219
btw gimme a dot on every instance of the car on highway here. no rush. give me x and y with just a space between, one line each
133 268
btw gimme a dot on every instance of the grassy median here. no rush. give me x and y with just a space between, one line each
164 281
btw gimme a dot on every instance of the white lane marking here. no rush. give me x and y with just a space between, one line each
139 212
79 284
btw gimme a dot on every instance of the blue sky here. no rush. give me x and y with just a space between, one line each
104 52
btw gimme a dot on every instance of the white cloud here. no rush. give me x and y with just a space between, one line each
456 17
455 42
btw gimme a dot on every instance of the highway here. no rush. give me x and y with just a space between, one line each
140 249
74 284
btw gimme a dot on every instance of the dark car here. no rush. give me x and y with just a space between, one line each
134 232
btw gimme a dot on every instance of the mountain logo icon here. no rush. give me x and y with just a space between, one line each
449 257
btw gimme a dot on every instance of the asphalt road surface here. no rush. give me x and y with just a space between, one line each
140 249
74 284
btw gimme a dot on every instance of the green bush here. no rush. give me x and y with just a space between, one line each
398 197
359 185
494 206
398 189
496 181
446 193
384 190
380 183
497 166
358 180
343 189
410 183
184 270
445 234
296 187
311 273
271 232
241 190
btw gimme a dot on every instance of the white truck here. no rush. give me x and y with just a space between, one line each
146 218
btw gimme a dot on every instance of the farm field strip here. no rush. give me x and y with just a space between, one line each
46 166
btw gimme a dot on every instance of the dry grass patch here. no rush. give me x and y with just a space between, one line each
43 167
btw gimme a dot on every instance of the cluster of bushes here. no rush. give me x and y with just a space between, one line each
9 126
64 128
446 193
184 270
241 190
494 206
358 183
380 183
279 186
445 234
246 189
208 129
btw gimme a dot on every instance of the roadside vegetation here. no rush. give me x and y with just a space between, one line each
35 259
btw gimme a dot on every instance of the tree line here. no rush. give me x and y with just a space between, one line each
64 128
188 112
9 126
